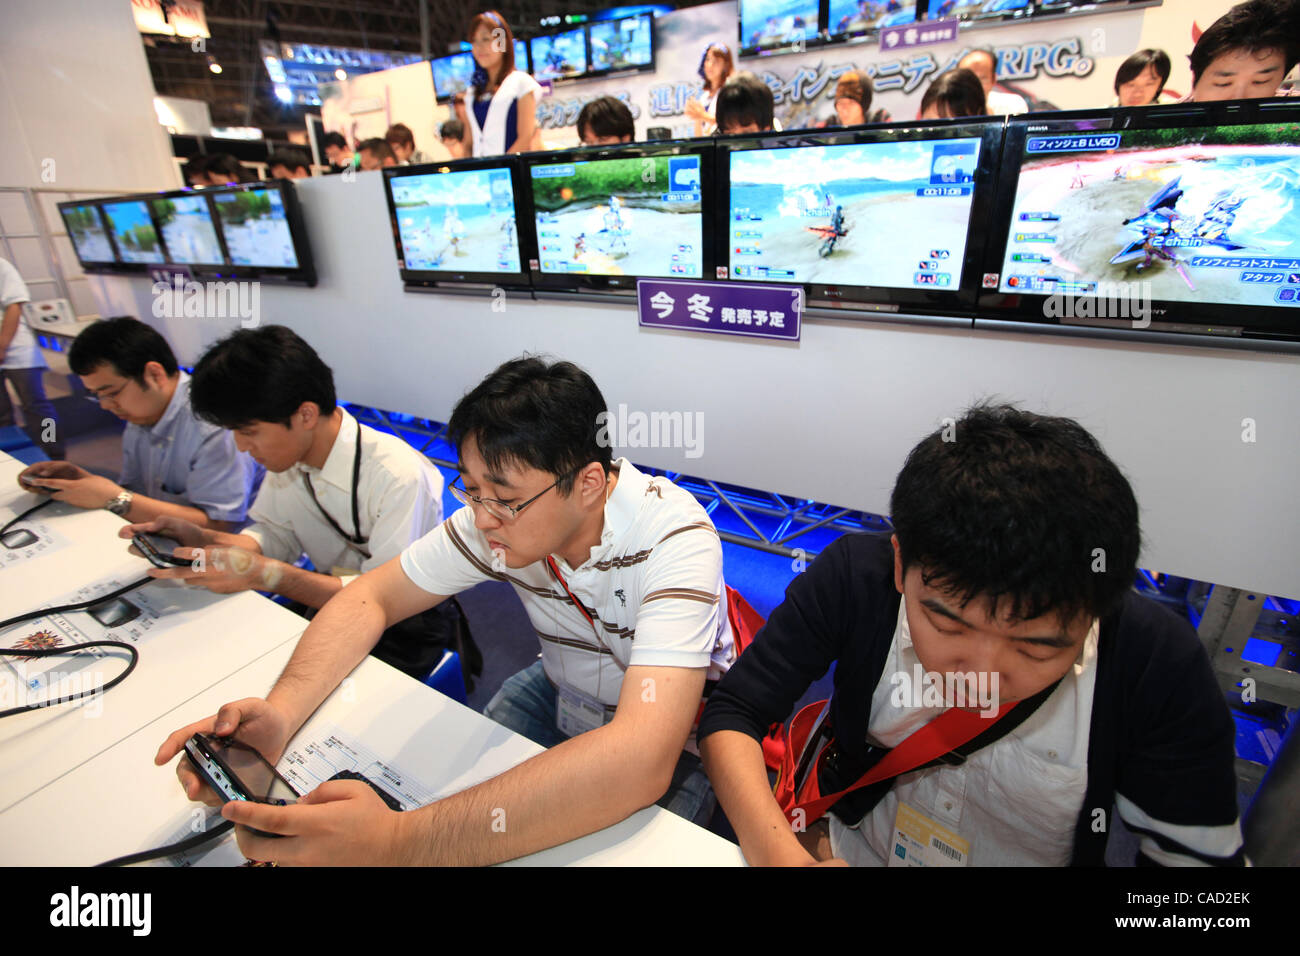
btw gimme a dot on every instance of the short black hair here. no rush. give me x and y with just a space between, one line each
1024 509
378 147
225 164
533 414
260 375
1256 27
195 167
956 93
290 159
1137 64
333 139
744 100
452 129
607 116
123 342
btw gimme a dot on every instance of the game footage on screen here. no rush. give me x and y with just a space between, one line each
462 221
87 234
637 216
256 230
853 16
1204 215
137 240
187 229
765 23
889 214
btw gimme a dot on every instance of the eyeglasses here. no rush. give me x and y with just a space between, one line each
111 396
498 508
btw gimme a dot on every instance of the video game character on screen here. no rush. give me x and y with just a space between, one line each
639 216
1204 214
461 221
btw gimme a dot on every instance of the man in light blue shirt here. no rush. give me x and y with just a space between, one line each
172 463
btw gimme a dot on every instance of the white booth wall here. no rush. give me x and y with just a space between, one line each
1210 438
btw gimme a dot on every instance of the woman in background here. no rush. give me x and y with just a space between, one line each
716 67
499 109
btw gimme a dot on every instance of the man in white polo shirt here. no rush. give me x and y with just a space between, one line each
22 364
621 575
348 496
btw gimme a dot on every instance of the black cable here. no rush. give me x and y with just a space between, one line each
79 606
70 649
25 515
189 843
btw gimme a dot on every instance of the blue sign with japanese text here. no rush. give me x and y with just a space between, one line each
729 308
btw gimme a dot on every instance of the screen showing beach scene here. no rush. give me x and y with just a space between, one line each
639 216
87 233
1206 214
256 228
459 221
188 231
133 231
888 214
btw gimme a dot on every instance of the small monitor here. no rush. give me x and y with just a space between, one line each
452 74
775 24
521 56
601 218
850 18
559 56
88 234
976 9
133 231
256 228
188 231
456 222
874 217
624 44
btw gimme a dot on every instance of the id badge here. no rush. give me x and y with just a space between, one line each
576 713
920 841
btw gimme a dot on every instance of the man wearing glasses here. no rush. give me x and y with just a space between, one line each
621 576
173 465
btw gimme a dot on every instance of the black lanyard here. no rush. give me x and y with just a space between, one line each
355 540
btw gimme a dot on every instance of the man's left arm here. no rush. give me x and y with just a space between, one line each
582 785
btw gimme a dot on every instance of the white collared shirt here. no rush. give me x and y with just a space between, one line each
1017 800
22 351
653 588
399 499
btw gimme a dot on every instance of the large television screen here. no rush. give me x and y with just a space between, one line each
855 17
133 232
452 74
768 24
87 232
256 227
623 44
187 229
560 55
619 216
457 221
1192 210
975 9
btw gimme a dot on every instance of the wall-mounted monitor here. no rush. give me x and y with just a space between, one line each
132 231
261 227
559 56
602 218
89 235
871 218
623 44
771 25
451 75
850 18
456 222
1191 210
977 9
188 230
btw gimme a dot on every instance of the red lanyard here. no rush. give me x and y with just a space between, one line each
550 563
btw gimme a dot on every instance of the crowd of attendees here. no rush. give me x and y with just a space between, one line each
1246 53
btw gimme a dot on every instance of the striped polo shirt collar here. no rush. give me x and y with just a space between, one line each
620 511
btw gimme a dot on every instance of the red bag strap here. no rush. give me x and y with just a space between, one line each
942 735
550 563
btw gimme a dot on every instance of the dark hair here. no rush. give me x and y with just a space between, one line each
856 85
260 375
528 413
195 167
223 164
452 129
984 51
956 93
290 159
379 148
744 100
1256 27
607 116
1137 64
399 134
725 52
1021 508
123 342
493 21
333 139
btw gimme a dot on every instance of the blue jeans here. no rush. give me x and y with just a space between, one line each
526 704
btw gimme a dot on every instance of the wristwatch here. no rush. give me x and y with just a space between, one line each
121 504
